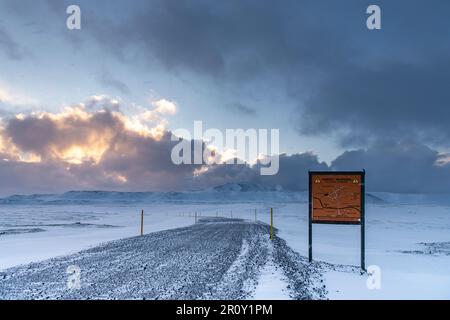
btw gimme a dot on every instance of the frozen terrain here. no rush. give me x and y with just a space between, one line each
216 258
407 237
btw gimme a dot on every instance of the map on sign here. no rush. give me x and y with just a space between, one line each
336 198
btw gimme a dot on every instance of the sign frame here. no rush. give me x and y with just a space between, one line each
362 175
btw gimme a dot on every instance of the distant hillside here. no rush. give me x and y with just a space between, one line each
230 192
225 193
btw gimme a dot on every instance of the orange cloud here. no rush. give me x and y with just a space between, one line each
90 145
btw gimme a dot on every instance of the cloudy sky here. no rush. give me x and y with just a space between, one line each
94 108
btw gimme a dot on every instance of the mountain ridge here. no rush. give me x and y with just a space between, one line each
229 192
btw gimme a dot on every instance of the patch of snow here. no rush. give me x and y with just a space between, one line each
272 284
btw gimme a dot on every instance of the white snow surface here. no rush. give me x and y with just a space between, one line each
272 284
407 236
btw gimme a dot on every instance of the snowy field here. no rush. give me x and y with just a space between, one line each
408 237
216 258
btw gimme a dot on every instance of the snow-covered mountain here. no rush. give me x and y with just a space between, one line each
230 192
247 187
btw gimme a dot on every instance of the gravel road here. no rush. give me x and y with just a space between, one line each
214 259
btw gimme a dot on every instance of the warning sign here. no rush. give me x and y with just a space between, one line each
336 198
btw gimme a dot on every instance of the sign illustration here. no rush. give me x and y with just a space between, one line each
336 198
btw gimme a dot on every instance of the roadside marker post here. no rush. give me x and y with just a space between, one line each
142 222
195 216
255 216
271 223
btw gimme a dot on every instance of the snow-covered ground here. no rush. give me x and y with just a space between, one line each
216 258
53 230
408 237
410 245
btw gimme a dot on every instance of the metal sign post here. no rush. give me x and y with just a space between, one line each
310 220
363 220
337 197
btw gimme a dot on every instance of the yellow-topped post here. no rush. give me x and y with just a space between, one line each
142 222
271 223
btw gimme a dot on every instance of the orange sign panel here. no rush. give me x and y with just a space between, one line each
336 198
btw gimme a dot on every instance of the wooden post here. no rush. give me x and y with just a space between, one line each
195 216
142 222
271 223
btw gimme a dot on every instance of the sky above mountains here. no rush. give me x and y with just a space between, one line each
93 108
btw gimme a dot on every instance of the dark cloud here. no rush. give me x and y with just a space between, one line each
33 134
241 108
79 149
401 167
397 100
346 80
25 178
88 150
233 40
9 46
108 80
102 102
292 174
405 167
32 8
220 174
48 137
348 83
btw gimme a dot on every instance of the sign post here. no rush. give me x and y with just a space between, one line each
310 220
337 197
363 221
